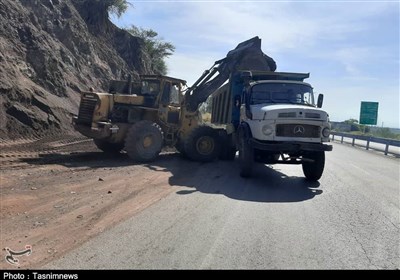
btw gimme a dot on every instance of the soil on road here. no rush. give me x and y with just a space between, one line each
58 192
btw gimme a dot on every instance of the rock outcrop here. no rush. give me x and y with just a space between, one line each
50 50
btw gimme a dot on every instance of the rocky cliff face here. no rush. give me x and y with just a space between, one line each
50 50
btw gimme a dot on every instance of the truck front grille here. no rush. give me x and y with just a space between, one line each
86 110
298 130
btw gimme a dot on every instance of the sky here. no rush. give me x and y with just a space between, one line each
350 48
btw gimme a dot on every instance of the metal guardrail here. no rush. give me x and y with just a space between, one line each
368 139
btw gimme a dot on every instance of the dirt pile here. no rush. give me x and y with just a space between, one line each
50 50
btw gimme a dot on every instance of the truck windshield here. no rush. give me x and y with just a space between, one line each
282 93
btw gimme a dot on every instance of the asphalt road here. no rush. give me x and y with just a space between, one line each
276 220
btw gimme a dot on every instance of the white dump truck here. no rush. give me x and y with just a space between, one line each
272 118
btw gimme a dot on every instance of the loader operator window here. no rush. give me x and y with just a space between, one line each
174 97
286 93
150 87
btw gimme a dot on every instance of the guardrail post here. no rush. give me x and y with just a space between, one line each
386 149
367 144
333 137
352 143
341 140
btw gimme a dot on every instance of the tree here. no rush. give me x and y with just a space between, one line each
116 7
351 121
354 124
96 12
155 47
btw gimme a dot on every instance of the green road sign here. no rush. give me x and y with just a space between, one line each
369 112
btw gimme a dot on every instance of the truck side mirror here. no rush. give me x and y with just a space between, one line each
320 100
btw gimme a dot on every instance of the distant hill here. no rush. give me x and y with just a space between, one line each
50 50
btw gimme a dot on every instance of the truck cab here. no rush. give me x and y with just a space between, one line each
282 110
273 118
280 122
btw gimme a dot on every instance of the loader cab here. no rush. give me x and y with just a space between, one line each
172 93
171 98
150 88
161 90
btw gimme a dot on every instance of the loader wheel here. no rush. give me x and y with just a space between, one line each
202 144
246 154
313 170
107 147
144 141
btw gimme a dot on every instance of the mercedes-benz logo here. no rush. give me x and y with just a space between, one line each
298 129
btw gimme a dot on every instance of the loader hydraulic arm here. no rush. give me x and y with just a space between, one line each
246 56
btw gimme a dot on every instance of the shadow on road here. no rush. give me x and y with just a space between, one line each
222 177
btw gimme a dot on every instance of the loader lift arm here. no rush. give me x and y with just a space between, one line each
247 55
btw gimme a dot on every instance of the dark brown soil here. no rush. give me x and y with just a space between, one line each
57 192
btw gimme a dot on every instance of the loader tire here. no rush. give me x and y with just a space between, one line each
144 141
202 144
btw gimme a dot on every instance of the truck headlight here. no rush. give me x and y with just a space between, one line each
326 131
267 129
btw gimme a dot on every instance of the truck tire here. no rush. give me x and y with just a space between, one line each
202 144
246 154
108 147
313 170
144 141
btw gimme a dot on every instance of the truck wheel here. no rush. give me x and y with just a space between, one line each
246 158
313 170
107 147
202 144
144 141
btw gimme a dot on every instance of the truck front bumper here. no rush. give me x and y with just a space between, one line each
292 147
